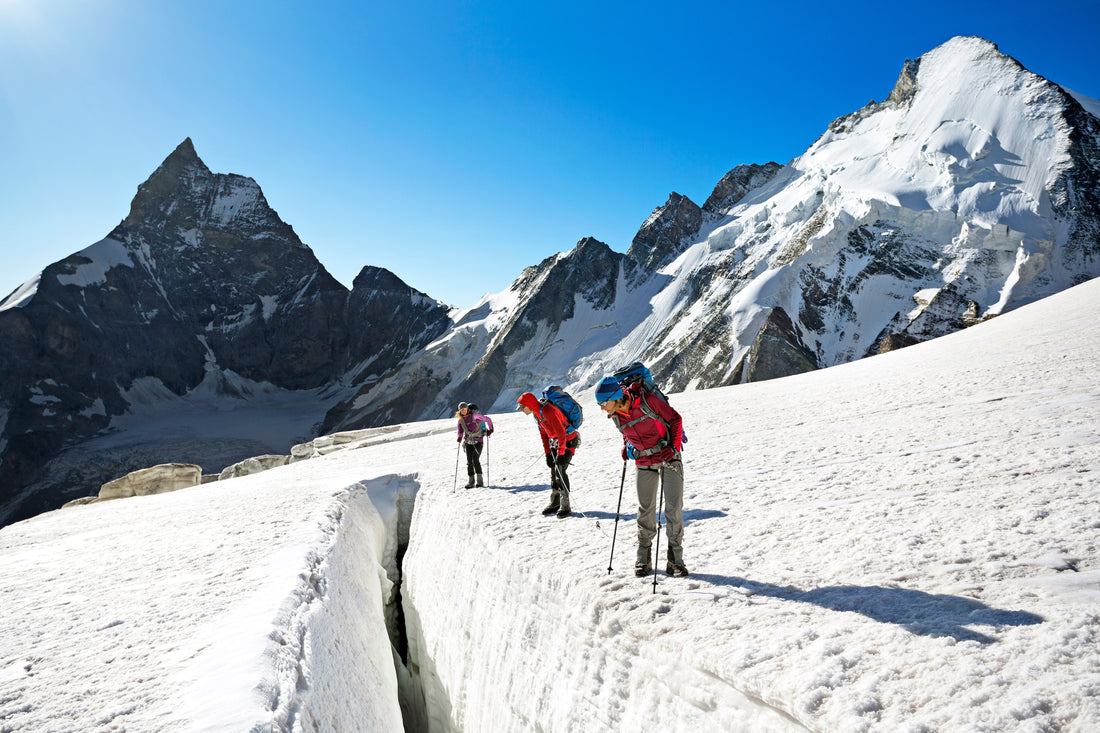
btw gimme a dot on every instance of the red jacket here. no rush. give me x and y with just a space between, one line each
645 433
552 422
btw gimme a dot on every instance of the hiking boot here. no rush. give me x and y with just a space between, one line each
469 484
480 481
554 505
676 570
564 510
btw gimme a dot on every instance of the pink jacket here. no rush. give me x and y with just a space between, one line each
469 427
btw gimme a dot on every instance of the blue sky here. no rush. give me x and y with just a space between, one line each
453 143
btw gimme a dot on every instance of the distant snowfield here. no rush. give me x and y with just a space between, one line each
904 543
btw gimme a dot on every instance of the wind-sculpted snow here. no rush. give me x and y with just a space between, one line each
240 606
903 543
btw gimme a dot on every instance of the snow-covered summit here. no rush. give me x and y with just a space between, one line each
966 130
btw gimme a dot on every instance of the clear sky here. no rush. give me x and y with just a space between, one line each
452 142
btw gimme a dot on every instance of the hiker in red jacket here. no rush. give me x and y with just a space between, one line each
652 435
558 444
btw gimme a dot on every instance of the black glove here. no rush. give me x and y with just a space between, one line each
563 459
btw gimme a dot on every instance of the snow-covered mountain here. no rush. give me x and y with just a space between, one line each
903 544
972 189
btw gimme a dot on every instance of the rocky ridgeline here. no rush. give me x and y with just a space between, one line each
201 278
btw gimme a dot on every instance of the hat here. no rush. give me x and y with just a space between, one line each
528 400
608 389
462 405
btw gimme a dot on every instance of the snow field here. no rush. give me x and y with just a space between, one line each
227 606
886 545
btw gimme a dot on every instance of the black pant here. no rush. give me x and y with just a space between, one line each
558 465
473 458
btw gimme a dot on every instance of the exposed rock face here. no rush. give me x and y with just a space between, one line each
480 361
153 480
227 268
587 277
1075 195
733 186
665 232
201 281
389 321
777 351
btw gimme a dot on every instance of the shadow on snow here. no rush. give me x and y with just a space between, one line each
917 612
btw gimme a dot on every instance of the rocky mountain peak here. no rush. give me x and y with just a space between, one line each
177 175
184 153
662 236
184 198
378 279
906 85
734 185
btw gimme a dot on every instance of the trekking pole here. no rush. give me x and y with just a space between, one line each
618 508
565 490
486 461
657 549
457 456
561 483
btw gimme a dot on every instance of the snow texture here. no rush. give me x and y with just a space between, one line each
21 295
903 543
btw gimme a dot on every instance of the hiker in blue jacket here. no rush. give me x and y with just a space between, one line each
652 435
473 429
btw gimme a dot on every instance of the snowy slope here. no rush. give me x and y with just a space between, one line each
968 192
904 543
944 187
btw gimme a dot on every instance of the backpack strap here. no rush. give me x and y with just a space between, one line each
648 413
472 433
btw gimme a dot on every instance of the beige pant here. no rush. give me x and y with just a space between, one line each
649 480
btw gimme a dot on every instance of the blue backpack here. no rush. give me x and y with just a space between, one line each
637 373
562 400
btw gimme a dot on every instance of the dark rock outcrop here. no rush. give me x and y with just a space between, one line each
734 185
777 351
663 235
202 277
